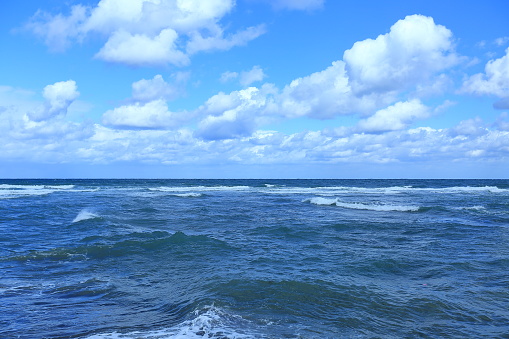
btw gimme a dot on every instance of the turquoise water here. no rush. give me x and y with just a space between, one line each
254 258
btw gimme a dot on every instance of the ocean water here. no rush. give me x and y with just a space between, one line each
254 259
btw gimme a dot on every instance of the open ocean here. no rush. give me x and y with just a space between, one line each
254 259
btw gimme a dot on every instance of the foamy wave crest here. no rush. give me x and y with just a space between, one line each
85 215
468 189
60 187
473 208
189 195
360 206
199 188
8 191
211 322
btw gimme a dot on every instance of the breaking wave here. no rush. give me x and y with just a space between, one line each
85 215
8 191
209 322
361 206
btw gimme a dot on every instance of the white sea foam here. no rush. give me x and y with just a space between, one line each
391 190
85 215
189 195
60 187
199 188
473 208
17 193
361 206
8 191
211 322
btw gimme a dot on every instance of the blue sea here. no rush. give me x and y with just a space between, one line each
254 259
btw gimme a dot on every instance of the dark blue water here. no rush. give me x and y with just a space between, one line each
254 259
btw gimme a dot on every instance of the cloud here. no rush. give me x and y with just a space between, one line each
494 81
256 74
395 117
246 78
58 31
151 115
413 50
199 43
236 114
470 127
148 90
142 50
501 41
59 97
228 76
145 32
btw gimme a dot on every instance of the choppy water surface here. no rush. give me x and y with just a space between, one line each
254 258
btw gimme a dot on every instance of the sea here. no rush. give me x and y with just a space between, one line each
267 258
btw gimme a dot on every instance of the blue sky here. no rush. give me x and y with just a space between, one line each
254 89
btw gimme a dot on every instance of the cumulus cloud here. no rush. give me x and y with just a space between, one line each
470 127
145 32
413 50
148 90
236 114
140 49
151 115
59 97
256 74
395 117
494 81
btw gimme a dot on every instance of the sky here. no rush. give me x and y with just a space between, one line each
254 89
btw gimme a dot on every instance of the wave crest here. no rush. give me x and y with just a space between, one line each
210 322
361 206
85 215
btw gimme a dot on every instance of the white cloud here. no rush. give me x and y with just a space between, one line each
326 94
413 50
228 76
470 127
59 97
148 90
495 80
145 32
59 30
501 41
199 43
151 115
236 114
256 74
140 49
395 117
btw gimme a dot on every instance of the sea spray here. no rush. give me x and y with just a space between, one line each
85 214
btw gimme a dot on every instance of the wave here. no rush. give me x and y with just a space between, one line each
8 191
98 247
209 322
473 208
199 188
189 195
85 215
361 206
